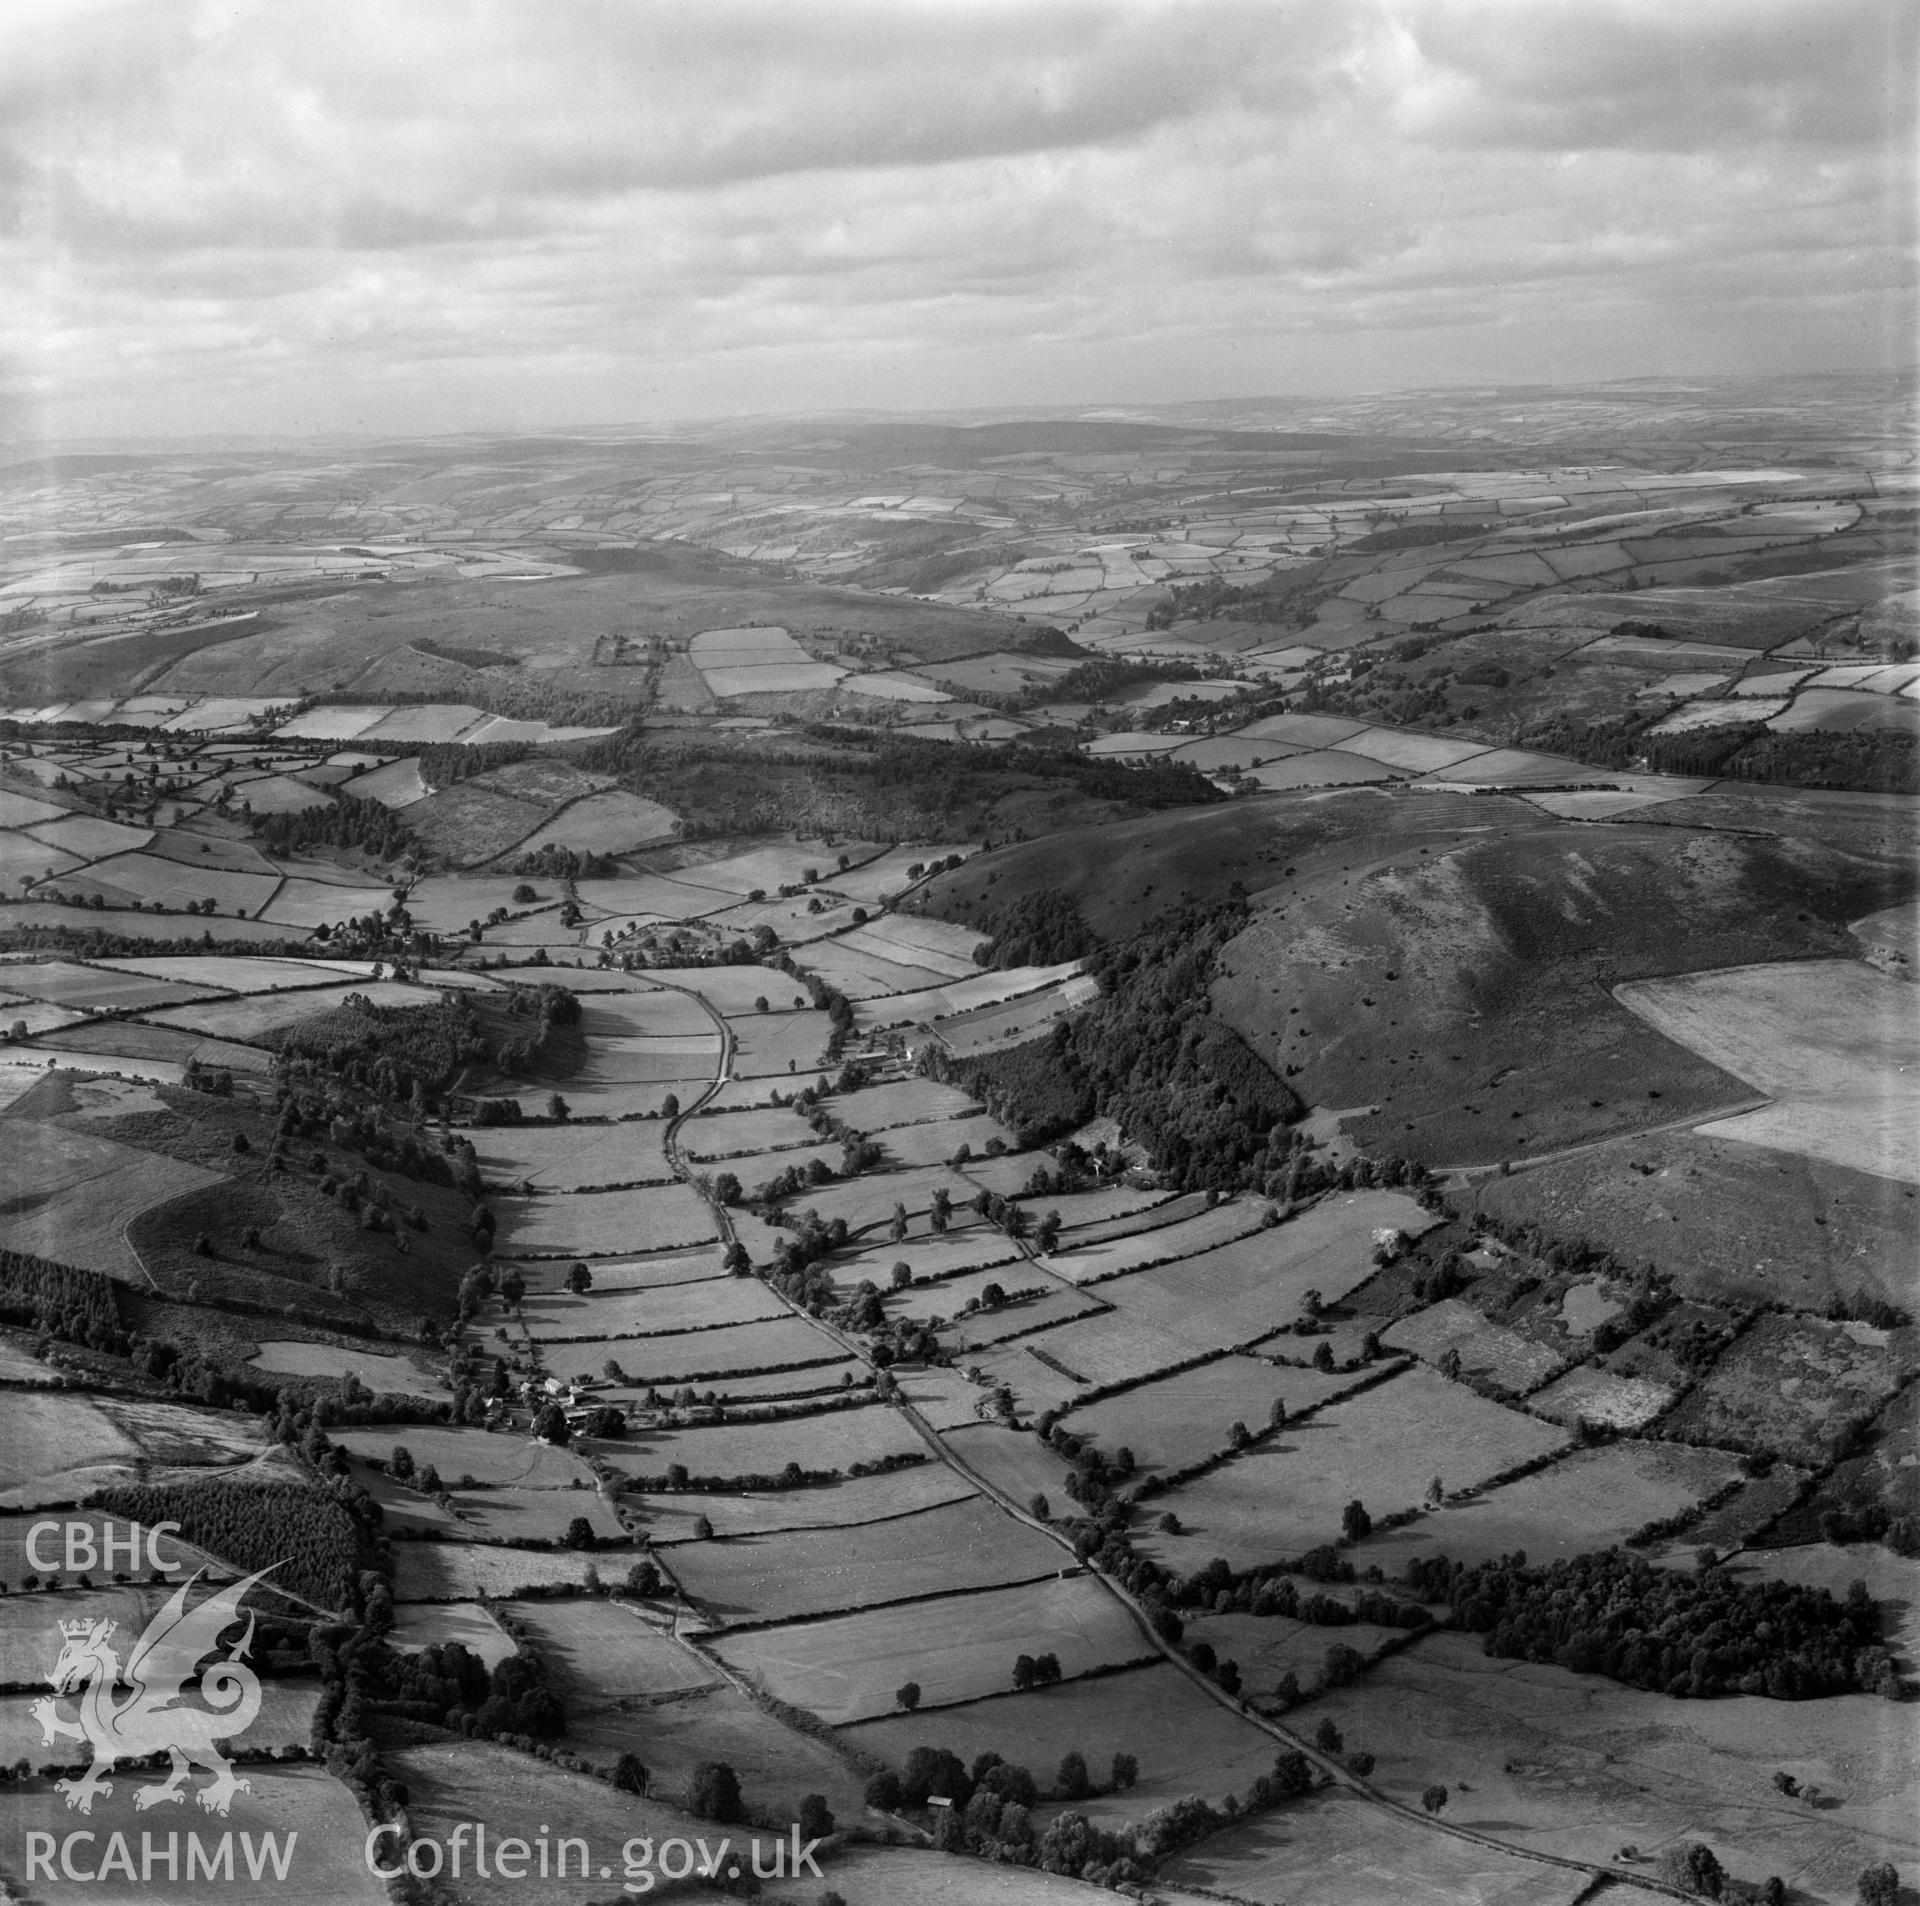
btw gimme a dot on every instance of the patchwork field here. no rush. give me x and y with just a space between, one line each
1382 1448
847 1669
966 1545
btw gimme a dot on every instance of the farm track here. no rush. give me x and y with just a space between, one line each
1336 1773
1467 1174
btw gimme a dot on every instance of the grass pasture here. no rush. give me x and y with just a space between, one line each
1179 1419
699 1306
1591 1499
1185 1742
399 1376
1381 1447
727 1135
987 1028
1332 1849
1578 1765
931 1144
464 1571
605 1223
254 1017
878 1108
669 1519
706 1358
1129 1249
416 1626
778 1043
965 1545
965 995
1488 1351
608 823
497 1458
574 1157
835 1440
606 1652
75 1194
1014 1462
847 1668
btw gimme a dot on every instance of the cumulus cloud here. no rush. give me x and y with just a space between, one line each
273 216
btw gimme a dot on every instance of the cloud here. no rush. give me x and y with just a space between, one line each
642 202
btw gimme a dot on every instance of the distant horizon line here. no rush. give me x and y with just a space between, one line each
1110 410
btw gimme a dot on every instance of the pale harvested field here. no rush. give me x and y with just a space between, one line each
489 1456
675 1307
1333 1849
606 1223
835 1440
669 1519
460 1571
970 1544
72 1195
539 1514
416 1626
1128 1250
989 1028
1382 1447
617 1059
21 856
1599 1396
1578 1765
1185 1741
1589 1500
1836 1041
876 1108
1179 1419
1327 767
570 1157
397 785
991 988
608 823
88 837
1487 1350
846 1669
1420 754
28 1638
57 1448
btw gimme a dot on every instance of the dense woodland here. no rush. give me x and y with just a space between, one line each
1147 1052
1687 1635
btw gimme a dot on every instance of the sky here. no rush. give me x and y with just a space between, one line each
224 216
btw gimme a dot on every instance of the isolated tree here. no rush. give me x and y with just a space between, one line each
550 1425
1323 1355
579 1280
429 1483
1361 1762
1433 1798
902 1276
726 1188
400 1463
816 1817
643 1580
703 1528
714 1792
670 1106
513 1287
1022 1673
580 1534
1880 1885
906 1697
1072 1783
557 1107
898 1228
1047 1233
883 1791
1039 1507
1326 1737
630 1774
1126 1771
1354 1520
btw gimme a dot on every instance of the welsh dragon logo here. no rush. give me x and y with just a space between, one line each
153 1719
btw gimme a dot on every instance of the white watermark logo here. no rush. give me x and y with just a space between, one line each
642 1863
152 1718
